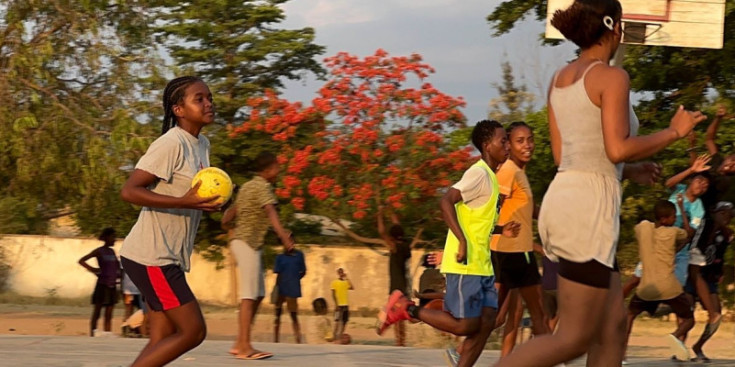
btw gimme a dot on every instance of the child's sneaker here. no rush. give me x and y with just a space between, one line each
395 310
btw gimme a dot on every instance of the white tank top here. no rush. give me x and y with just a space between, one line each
580 126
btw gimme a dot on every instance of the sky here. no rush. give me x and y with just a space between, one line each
453 36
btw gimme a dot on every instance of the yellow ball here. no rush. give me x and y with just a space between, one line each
214 182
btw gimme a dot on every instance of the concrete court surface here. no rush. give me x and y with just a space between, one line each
71 351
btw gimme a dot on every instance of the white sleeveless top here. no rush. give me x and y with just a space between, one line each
580 214
580 124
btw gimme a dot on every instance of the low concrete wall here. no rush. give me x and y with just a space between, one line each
43 264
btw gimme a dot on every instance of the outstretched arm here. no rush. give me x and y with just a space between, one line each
699 165
684 217
620 145
228 219
383 234
711 134
284 235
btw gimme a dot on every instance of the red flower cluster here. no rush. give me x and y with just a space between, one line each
385 142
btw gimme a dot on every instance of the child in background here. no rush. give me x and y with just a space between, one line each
710 245
132 300
324 324
290 267
107 272
658 243
340 288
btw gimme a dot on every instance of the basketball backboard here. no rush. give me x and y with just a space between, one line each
678 23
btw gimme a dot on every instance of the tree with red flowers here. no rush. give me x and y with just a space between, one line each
381 141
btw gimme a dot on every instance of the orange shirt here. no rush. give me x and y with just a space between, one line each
517 206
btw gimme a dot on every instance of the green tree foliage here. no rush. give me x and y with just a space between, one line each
81 81
233 45
514 101
71 78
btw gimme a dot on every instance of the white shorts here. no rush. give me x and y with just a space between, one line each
696 257
251 280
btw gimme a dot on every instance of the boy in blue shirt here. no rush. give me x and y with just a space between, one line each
290 267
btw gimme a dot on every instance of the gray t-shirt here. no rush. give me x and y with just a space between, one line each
166 236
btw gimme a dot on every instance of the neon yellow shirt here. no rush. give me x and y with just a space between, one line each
477 225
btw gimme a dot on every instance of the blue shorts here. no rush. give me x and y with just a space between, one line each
467 295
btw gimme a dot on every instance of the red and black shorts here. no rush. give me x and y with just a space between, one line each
162 287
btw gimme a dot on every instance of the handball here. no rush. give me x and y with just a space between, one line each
214 182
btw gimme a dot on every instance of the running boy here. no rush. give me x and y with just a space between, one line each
107 272
710 246
658 243
470 209
156 253
399 250
253 212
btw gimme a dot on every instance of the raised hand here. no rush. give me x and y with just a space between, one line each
643 173
684 121
191 200
700 164
680 199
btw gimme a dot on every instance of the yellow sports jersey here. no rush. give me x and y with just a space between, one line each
477 224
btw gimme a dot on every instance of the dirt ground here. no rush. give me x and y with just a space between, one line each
647 339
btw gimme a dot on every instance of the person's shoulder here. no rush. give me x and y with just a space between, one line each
613 73
204 140
252 184
474 170
644 224
508 169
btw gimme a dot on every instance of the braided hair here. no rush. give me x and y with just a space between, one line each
172 95
513 125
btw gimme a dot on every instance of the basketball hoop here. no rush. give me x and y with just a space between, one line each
674 23
637 32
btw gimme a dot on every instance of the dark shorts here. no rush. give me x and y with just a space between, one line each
592 273
515 269
342 313
550 303
680 304
163 287
467 295
713 288
104 295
